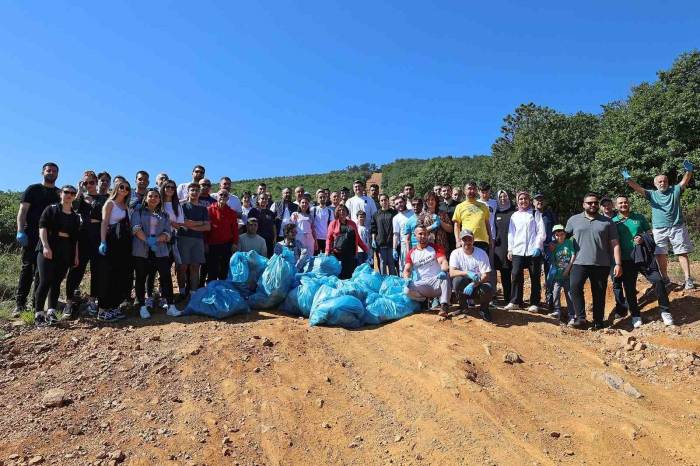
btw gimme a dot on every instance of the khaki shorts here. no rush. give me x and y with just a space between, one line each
675 237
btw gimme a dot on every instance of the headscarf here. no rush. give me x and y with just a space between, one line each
528 196
505 206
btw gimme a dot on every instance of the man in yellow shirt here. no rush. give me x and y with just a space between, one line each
473 215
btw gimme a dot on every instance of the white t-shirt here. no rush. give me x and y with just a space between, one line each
360 203
425 261
179 218
477 262
399 222
286 217
182 193
321 216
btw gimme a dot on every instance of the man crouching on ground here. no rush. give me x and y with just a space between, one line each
431 272
470 270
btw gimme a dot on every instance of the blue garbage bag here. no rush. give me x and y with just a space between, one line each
357 289
382 308
238 270
366 276
391 284
324 293
256 265
274 283
218 299
343 311
300 299
324 265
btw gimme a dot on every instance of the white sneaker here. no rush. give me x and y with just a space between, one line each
636 322
689 285
173 311
533 308
144 313
510 307
667 318
572 323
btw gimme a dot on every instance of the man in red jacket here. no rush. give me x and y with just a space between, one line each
222 239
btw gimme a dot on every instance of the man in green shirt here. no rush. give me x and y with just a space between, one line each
670 230
630 228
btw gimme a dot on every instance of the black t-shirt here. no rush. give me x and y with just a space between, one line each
91 211
38 197
56 221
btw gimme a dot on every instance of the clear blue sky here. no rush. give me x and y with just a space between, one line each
255 89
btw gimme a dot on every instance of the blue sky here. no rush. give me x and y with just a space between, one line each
254 89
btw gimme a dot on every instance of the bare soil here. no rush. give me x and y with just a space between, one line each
267 389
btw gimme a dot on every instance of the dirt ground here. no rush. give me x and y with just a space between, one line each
266 388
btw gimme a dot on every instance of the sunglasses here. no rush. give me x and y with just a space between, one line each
169 187
592 203
123 188
105 180
69 192
91 182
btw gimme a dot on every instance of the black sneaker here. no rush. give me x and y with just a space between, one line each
104 315
51 317
599 326
118 314
67 312
486 315
40 319
17 313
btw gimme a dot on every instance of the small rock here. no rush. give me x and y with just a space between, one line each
74 430
398 438
554 434
226 451
326 425
569 453
487 349
226 441
13 457
328 379
256 370
38 459
511 357
319 403
267 342
54 398
117 456
353 445
631 391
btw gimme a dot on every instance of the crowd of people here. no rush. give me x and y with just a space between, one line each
451 244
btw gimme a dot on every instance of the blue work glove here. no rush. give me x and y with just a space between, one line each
22 239
469 289
395 254
625 174
436 224
536 252
409 283
374 244
369 259
151 240
688 166
442 275
103 248
473 276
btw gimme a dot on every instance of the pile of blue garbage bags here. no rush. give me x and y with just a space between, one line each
254 282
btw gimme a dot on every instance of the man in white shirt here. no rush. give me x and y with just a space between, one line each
428 266
234 201
360 202
526 234
470 270
398 223
321 216
197 175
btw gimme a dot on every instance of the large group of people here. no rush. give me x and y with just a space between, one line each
451 244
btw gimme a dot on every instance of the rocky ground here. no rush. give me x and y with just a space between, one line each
267 389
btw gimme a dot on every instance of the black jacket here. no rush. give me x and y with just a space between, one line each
382 226
501 240
643 255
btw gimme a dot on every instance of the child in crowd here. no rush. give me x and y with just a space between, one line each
561 259
364 231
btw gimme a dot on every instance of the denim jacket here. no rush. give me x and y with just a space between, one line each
141 220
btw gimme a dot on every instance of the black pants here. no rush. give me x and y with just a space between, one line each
116 273
218 258
621 306
628 282
598 277
28 274
347 265
51 274
534 267
147 267
88 242
548 297
482 295
321 246
505 270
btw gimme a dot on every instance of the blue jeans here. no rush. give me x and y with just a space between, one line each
557 286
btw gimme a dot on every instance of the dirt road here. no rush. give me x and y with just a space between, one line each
268 389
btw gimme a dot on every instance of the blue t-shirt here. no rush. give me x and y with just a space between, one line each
665 207
409 229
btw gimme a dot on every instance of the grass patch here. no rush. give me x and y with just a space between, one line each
27 317
10 265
